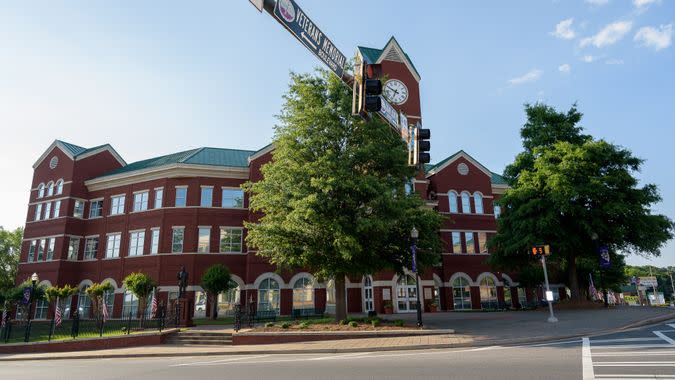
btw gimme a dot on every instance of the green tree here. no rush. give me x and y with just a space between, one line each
333 197
13 296
575 194
55 294
96 292
10 248
662 277
141 285
215 280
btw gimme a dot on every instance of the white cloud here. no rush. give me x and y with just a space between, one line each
609 35
656 38
597 2
564 30
588 58
644 3
614 61
532 76
565 68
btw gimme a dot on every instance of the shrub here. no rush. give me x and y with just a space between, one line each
285 325
375 322
343 322
269 324
399 323
353 324
303 325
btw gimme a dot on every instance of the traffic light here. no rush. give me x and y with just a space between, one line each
541 250
372 87
422 145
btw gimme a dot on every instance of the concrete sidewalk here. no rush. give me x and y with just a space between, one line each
473 329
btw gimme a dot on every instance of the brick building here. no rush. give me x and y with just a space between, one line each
92 217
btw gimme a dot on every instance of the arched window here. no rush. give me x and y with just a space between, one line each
59 187
330 297
268 295
303 294
488 293
50 189
437 293
461 294
508 303
406 293
497 210
368 294
41 190
466 204
229 298
452 199
84 303
478 202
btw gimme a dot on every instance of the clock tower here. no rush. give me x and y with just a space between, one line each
401 88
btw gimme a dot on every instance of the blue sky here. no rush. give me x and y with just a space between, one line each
157 77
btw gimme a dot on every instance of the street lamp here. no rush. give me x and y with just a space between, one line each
34 279
414 234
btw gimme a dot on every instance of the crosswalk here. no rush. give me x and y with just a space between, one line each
650 355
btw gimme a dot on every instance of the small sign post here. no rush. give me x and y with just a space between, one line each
543 251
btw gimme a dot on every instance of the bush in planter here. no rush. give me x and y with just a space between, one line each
353 324
399 323
375 322
269 324
285 325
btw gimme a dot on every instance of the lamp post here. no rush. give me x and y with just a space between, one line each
414 234
34 279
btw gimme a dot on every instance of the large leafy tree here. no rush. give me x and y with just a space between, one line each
215 280
574 193
10 248
333 198
141 285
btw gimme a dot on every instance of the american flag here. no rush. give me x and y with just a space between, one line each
591 288
153 311
105 310
57 316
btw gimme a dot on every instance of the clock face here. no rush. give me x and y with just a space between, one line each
395 91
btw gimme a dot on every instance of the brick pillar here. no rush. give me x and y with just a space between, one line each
286 301
320 299
475 298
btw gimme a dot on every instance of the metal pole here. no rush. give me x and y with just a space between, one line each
417 280
552 317
671 282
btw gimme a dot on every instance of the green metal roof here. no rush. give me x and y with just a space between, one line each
73 149
372 55
199 156
495 178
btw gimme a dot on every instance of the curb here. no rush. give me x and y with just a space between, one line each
479 343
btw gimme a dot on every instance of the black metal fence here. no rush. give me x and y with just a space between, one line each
16 331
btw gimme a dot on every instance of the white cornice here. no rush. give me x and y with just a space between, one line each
260 153
394 45
465 156
168 171
65 151
499 189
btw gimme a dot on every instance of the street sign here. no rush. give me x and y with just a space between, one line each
303 28
25 299
258 4
389 114
648 281
549 295
603 250
541 250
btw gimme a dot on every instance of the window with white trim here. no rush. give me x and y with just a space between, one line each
31 250
90 248
41 307
136 242
57 209
109 301
456 242
233 198
59 187
38 211
478 202
181 196
41 250
177 239
78 209
130 305
41 190
73 248
452 200
48 210
466 203
230 239
468 239
51 243
159 196
303 294
96 209
206 199
268 295
461 294
117 205
154 241
141 201
84 303
497 211
482 242
50 189
204 239
112 248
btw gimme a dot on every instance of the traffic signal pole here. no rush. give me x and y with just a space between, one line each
551 317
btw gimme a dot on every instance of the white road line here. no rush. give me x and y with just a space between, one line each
219 361
671 325
594 341
664 337
586 360
633 365
634 353
631 346
633 376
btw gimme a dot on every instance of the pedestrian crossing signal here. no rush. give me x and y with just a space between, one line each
541 250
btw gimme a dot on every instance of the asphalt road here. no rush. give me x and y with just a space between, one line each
642 353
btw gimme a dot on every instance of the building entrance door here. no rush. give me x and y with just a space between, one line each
406 294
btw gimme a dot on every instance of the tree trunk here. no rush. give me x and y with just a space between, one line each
214 307
573 280
340 304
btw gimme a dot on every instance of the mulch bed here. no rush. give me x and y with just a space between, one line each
331 327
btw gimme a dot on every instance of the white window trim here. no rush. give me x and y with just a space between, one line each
243 193
242 239
111 204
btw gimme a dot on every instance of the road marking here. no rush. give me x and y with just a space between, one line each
635 376
624 340
634 364
664 337
634 353
631 346
671 325
219 361
586 360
